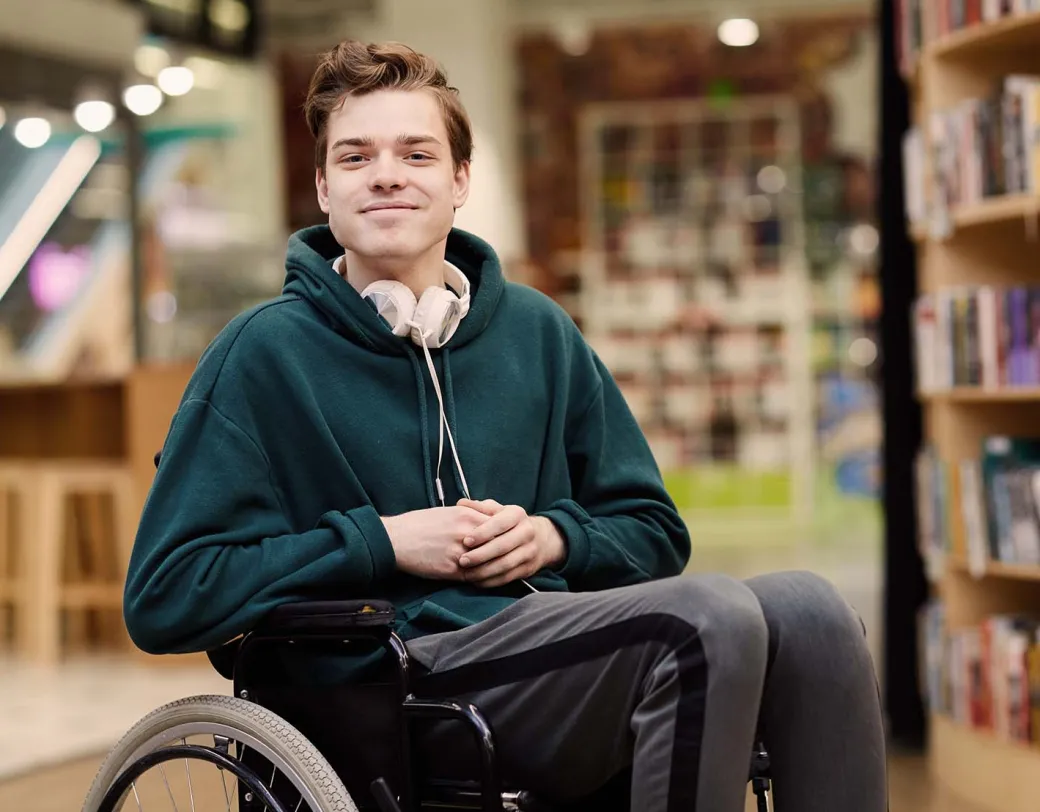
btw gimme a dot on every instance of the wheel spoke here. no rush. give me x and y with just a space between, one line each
187 771
133 786
170 791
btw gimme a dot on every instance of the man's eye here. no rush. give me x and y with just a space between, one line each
352 159
418 155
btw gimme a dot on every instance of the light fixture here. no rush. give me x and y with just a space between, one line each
150 59
738 32
32 132
231 15
863 352
771 179
94 115
142 99
176 80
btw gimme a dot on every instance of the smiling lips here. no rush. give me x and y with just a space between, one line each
388 206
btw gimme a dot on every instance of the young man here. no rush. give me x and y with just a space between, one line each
404 424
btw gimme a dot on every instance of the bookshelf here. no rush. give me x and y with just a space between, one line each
972 166
690 203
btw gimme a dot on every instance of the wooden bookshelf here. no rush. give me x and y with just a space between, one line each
983 40
992 242
995 569
998 210
978 394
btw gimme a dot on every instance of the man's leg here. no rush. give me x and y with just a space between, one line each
664 678
821 713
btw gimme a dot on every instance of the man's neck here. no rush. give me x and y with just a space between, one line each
417 275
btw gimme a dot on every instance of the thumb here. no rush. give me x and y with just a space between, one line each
489 507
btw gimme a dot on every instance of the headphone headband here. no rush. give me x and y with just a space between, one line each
434 317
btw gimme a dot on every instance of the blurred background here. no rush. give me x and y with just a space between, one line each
698 183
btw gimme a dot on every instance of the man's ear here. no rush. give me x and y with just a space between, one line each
461 190
321 183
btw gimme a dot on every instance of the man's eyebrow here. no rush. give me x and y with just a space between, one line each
367 141
359 141
415 140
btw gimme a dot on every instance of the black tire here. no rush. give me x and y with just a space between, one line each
302 763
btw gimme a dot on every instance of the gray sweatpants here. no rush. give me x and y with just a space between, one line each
674 680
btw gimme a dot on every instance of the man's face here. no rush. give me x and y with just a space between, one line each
389 187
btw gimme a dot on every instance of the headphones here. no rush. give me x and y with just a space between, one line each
433 319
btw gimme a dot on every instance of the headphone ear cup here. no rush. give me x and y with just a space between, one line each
437 315
395 303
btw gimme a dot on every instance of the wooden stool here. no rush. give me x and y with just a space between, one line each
14 496
70 559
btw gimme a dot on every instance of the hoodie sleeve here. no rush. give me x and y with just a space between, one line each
621 526
214 551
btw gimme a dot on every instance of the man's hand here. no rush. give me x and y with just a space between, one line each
508 545
428 543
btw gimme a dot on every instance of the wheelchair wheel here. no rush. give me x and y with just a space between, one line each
244 750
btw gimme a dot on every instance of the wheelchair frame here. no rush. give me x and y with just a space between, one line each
338 621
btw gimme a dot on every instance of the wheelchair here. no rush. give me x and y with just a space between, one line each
351 747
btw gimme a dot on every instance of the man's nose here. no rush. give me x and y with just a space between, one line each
387 173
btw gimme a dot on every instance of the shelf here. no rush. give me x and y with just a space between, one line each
1003 209
999 211
976 394
997 570
982 769
1009 33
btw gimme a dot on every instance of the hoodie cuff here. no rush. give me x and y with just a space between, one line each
578 549
364 522
384 561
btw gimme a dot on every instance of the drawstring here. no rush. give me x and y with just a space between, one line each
424 432
442 425
451 416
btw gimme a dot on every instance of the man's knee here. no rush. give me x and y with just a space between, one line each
718 607
812 603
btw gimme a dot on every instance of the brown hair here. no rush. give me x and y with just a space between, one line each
354 69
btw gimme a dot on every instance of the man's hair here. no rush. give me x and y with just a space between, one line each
354 69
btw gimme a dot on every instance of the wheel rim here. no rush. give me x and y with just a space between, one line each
181 732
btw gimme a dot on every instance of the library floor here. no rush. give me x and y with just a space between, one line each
55 724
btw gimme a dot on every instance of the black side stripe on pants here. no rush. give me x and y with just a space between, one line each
676 634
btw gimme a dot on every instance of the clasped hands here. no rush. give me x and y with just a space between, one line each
481 542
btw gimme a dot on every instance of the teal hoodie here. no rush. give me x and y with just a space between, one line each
307 419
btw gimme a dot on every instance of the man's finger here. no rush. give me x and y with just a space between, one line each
502 522
500 566
515 574
495 548
489 507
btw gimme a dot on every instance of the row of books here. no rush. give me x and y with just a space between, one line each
921 22
986 677
984 508
980 148
977 335
988 146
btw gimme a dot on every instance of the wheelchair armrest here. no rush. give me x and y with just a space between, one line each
325 618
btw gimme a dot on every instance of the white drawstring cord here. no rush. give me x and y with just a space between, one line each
443 424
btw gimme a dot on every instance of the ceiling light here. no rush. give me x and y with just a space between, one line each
32 132
176 80
150 59
94 115
142 100
738 32
771 179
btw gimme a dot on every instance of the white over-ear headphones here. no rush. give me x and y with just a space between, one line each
435 316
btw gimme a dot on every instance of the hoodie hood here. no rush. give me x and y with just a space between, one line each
309 275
